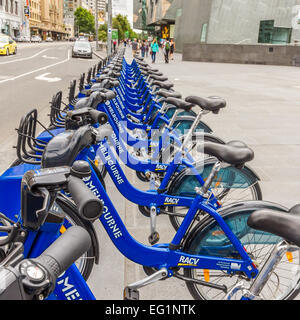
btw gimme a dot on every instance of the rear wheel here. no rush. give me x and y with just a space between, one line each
230 185
210 240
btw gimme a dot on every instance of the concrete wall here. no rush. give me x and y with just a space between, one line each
238 21
189 25
244 54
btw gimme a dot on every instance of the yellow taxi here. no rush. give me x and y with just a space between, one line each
7 45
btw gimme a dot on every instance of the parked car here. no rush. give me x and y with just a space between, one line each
19 39
72 39
82 49
36 39
7 45
49 39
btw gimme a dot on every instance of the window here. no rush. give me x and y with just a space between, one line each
270 34
11 6
16 7
204 32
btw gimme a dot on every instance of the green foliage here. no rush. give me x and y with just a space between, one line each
84 21
122 24
102 35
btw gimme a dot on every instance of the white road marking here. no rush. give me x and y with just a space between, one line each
51 58
24 59
43 77
37 70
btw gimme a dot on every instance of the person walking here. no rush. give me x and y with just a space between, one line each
154 50
147 48
172 49
143 49
134 46
167 48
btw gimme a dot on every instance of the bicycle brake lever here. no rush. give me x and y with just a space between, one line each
43 213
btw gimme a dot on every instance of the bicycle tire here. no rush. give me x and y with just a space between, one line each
249 178
259 252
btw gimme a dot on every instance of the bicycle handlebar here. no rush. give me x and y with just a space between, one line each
89 206
32 279
69 247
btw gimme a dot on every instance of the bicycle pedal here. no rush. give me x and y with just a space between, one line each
153 238
131 294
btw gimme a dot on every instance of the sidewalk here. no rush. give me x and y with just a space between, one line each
263 110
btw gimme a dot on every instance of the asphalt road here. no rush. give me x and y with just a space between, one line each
28 80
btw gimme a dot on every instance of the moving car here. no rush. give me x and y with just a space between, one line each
82 49
7 45
49 39
36 39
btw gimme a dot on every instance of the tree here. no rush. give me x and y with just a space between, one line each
120 23
84 21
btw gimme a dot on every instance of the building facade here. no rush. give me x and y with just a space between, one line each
11 17
47 19
222 22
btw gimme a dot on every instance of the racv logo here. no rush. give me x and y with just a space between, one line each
161 167
186 261
171 200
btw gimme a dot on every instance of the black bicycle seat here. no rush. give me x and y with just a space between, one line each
158 78
169 94
213 104
235 152
164 85
180 104
280 223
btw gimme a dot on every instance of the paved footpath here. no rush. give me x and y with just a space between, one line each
263 110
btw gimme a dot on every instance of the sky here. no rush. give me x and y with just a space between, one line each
124 7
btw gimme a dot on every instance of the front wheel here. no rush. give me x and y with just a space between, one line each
208 239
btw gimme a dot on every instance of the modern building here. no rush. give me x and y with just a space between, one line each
222 22
11 17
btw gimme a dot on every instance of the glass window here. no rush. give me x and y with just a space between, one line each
204 32
270 34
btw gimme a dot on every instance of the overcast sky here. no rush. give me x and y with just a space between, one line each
124 7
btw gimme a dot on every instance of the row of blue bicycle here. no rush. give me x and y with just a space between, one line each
228 242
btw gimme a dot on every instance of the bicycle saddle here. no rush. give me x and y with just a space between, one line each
279 223
168 94
164 85
63 149
88 102
213 104
180 104
234 152
158 78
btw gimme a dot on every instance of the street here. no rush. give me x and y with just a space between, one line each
28 80
263 110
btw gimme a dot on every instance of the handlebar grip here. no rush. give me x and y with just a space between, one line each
98 116
64 251
89 206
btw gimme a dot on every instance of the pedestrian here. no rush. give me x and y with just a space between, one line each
143 49
172 49
167 48
154 50
115 45
134 46
147 48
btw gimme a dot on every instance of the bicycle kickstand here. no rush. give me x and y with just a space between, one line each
131 291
